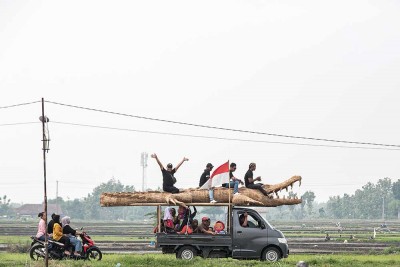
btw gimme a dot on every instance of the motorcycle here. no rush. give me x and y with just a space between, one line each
56 249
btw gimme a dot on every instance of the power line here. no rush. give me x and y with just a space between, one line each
19 123
218 138
21 104
223 128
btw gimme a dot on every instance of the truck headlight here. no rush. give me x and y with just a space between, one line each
282 240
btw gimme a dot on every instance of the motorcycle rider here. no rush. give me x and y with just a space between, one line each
50 225
58 234
41 227
71 234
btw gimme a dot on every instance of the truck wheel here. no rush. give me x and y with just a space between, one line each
271 254
186 253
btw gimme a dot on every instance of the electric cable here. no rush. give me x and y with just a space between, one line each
222 128
21 104
18 123
219 138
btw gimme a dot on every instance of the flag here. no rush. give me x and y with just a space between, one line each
218 177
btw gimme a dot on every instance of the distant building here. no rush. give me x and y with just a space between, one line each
33 210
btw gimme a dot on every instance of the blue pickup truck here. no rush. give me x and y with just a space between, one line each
259 240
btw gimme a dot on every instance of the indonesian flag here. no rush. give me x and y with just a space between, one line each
218 177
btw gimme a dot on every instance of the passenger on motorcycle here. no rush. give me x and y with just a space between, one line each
58 234
41 227
71 234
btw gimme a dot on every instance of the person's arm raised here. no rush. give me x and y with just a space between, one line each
154 156
180 163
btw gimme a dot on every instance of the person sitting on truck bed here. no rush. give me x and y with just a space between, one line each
168 175
190 228
162 227
249 180
168 220
195 226
188 217
204 227
176 219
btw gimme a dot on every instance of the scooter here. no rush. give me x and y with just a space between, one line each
56 249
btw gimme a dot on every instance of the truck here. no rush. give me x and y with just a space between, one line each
260 240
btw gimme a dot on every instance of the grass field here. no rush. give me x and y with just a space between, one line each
110 260
11 239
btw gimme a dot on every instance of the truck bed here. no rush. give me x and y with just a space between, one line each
200 240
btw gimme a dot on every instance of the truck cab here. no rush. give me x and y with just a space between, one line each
258 239
255 240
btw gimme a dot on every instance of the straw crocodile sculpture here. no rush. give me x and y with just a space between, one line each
246 197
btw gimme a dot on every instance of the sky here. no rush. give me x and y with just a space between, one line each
320 69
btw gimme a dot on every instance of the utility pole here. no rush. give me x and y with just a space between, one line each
143 163
57 197
45 149
383 209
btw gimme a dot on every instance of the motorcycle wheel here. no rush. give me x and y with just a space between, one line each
37 252
94 254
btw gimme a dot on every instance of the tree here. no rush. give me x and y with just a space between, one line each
396 195
5 205
321 212
92 209
308 197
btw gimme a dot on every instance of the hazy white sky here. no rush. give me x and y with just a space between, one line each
325 69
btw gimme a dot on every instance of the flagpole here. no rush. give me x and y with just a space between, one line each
229 199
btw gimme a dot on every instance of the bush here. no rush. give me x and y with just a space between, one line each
19 247
391 250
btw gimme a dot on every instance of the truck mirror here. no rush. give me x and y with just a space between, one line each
262 226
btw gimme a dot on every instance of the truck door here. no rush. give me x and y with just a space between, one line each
249 241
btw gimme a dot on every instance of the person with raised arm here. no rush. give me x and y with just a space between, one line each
168 175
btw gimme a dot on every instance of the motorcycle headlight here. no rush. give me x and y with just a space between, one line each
282 240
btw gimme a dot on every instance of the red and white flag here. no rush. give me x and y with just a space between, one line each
218 177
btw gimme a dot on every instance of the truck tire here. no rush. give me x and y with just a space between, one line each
271 254
186 253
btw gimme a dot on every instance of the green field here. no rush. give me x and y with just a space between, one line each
110 260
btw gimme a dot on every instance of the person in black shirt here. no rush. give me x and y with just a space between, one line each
249 180
234 182
71 234
50 225
168 175
204 178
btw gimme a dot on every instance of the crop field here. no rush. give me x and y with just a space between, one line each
129 244
111 260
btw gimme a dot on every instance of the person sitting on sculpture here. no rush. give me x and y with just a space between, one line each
204 178
234 182
249 180
168 175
